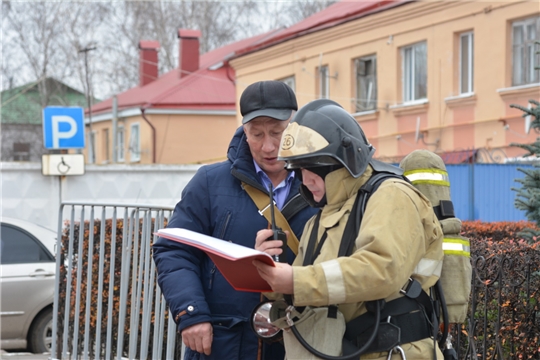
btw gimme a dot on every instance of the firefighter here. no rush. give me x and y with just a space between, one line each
395 256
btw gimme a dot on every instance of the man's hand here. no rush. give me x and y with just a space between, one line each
199 337
271 247
280 277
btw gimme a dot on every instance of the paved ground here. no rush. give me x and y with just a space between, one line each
23 356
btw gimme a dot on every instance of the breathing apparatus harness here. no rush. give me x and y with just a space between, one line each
416 310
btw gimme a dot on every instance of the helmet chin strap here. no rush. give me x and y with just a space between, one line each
308 196
321 171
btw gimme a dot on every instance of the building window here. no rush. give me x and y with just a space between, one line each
134 143
289 81
106 146
525 58
120 144
414 72
466 63
324 91
92 147
21 151
366 83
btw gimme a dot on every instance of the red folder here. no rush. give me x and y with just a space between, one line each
234 261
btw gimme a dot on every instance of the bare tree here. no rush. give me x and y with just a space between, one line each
46 37
42 39
302 9
35 26
220 23
282 14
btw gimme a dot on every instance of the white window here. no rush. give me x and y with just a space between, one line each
414 72
134 143
366 83
324 90
524 54
466 63
106 146
120 144
289 81
92 147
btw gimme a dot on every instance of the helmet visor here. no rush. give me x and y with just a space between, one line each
311 162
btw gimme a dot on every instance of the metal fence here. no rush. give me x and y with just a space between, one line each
107 303
504 314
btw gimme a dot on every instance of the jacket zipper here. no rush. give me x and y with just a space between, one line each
290 200
221 235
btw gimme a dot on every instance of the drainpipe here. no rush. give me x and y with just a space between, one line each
143 109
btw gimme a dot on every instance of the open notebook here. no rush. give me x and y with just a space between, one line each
233 261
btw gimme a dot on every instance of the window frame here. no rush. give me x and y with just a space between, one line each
528 48
469 63
120 143
135 150
92 147
324 85
106 146
21 151
410 81
371 101
290 81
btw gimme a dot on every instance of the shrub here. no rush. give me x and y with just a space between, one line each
80 263
504 311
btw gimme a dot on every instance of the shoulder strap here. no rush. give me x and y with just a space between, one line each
357 213
309 256
294 206
262 201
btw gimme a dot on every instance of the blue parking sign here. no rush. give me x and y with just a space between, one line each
63 127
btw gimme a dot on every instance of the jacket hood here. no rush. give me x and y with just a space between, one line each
241 161
339 186
238 145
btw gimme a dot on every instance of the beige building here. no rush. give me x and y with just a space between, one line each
437 75
185 116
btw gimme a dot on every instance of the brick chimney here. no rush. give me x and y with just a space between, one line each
148 61
189 51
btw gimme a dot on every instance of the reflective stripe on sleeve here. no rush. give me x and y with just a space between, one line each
457 246
334 281
428 267
428 176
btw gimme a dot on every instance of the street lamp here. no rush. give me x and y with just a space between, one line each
88 100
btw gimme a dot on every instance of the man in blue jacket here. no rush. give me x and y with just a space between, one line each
212 317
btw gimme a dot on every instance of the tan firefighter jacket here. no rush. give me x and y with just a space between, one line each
399 237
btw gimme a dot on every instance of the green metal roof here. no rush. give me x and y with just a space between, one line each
23 104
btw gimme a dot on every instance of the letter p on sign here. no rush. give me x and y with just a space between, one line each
63 127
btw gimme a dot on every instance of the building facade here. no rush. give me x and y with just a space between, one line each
431 75
185 116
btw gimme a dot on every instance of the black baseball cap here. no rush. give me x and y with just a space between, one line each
270 98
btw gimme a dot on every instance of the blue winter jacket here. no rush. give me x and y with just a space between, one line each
214 203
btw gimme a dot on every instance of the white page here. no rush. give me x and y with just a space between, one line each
222 246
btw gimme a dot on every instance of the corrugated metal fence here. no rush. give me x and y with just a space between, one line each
484 191
107 303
